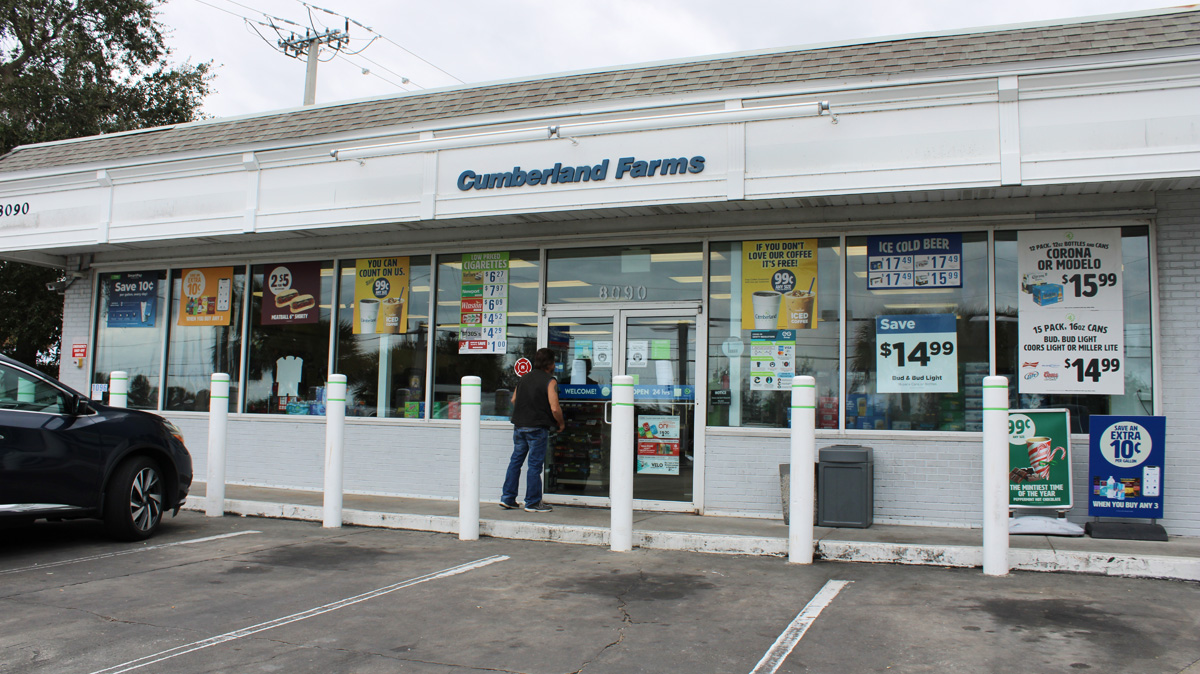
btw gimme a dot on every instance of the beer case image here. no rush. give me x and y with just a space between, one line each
1047 293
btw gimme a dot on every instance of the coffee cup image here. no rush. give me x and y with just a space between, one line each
1040 455
798 308
368 314
390 312
766 309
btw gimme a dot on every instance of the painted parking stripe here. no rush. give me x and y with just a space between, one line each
295 617
37 567
791 636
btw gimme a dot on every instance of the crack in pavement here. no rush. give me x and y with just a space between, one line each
626 622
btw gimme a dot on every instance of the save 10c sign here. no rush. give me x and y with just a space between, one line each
1126 466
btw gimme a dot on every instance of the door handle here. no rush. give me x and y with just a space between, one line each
607 409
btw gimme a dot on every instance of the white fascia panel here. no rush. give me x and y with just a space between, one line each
330 186
343 216
178 208
53 219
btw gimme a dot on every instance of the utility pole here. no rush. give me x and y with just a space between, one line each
310 45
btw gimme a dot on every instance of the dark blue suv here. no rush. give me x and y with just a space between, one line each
63 456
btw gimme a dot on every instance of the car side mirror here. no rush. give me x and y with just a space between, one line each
82 407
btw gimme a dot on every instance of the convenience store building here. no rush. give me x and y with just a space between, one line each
897 218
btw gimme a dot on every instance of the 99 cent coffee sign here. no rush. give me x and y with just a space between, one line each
1070 311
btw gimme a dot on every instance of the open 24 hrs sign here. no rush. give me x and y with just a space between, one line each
916 353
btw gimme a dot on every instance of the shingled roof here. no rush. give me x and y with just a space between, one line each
1105 36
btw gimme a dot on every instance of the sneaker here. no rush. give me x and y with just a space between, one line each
508 506
538 507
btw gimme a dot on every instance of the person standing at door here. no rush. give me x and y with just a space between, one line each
535 412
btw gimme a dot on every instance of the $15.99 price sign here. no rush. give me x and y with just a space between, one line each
1070 312
916 353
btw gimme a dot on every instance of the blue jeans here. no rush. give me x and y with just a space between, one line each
531 442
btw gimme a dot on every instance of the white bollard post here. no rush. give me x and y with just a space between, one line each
995 476
218 423
335 439
804 449
620 478
118 389
468 460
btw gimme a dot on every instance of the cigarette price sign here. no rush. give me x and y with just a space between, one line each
484 314
916 352
914 262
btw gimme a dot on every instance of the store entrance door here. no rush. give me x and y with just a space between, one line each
658 348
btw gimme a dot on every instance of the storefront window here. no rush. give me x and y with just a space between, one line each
917 331
383 317
205 334
661 273
288 364
1050 372
773 314
487 317
129 333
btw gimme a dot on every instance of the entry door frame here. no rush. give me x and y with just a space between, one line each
619 312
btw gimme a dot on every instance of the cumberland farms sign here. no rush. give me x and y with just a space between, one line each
623 168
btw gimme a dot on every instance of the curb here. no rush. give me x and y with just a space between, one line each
1023 559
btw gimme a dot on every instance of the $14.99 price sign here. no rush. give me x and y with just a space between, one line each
916 353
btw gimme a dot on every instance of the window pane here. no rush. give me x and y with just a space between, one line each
390 359
625 274
734 400
19 391
288 363
1139 384
964 310
131 319
195 352
495 370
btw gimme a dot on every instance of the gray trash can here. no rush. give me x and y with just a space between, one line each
846 498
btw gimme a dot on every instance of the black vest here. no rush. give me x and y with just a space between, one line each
532 403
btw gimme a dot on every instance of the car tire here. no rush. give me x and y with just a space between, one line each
133 503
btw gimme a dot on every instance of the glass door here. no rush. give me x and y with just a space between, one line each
657 348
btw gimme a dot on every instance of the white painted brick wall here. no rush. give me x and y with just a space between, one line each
1179 333
77 310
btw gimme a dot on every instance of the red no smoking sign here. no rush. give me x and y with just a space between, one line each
523 367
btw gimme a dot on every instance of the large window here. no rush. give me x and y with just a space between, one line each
756 289
288 362
467 300
199 346
383 315
659 273
1137 364
930 339
131 320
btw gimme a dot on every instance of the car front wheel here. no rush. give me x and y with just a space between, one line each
133 504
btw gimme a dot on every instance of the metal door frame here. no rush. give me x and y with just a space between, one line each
619 312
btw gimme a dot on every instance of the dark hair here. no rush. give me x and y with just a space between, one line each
543 359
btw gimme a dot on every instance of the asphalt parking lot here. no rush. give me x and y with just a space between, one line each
258 595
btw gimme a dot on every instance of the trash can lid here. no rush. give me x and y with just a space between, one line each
846 454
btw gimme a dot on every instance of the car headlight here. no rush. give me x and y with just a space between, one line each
173 430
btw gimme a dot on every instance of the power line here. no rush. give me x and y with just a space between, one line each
381 36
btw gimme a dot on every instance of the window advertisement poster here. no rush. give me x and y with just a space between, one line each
483 326
657 445
1125 460
1039 459
1070 311
132 300
915 353
639 353
602 353
779 284
772 360
207 296
291 293
914 262
381 295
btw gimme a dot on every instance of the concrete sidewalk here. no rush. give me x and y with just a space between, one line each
1179 558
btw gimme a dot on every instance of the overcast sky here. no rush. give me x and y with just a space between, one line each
437 44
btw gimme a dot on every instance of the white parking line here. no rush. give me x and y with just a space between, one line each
791 636
106 555
295 617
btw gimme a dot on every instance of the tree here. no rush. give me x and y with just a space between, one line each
71 68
